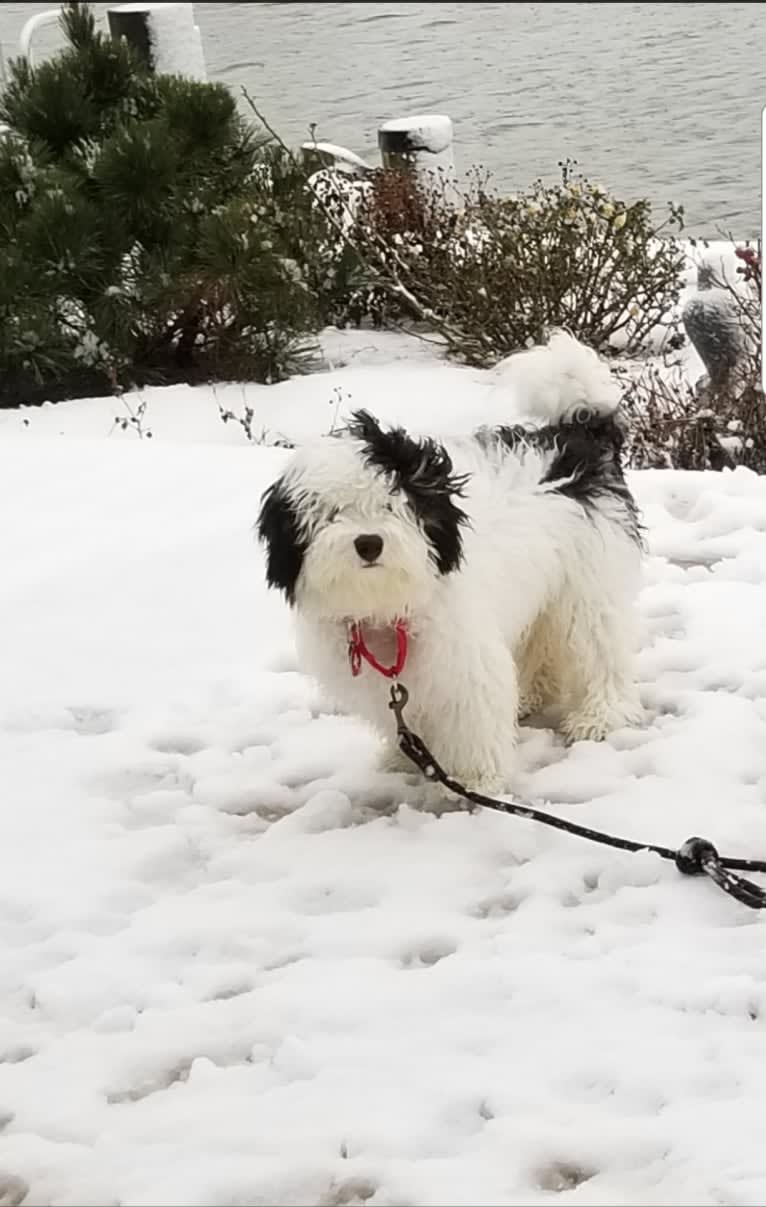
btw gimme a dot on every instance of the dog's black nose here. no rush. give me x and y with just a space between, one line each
369 547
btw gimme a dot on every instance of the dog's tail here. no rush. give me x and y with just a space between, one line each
551 382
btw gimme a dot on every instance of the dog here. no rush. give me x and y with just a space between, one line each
498 575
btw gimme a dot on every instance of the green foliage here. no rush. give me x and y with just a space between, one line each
80 94
306 219
143 235
149 233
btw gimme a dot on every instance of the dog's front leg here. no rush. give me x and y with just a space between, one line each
466 697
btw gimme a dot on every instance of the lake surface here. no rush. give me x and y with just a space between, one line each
653 100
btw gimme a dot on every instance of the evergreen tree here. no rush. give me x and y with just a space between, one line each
141 235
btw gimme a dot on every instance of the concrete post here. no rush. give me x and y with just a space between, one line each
164 35
423 145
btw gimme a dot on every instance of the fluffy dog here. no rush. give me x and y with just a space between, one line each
510 561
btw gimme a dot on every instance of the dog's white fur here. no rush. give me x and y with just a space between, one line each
539 613
550 381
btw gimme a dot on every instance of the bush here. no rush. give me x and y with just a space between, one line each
149 234
494 276
307 214
141 238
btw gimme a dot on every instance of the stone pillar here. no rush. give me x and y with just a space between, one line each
164 35
423 145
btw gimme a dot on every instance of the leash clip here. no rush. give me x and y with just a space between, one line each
397 704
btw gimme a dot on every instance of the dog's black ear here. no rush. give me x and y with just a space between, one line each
391 451
278 529
423 470
417 466
441 521
364 426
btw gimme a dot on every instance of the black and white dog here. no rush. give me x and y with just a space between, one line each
499 575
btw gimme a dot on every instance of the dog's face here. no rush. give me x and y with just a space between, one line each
363 525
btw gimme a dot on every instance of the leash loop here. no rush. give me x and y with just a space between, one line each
697 856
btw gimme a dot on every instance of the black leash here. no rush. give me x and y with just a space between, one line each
695 857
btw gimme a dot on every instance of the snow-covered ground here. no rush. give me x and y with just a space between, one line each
239 966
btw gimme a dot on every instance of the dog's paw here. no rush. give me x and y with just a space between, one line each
596 726
530 703
584 729
631 713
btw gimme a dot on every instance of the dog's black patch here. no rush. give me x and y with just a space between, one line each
587 460
423 471
278 528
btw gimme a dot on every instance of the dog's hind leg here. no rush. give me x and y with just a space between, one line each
537 659
596 669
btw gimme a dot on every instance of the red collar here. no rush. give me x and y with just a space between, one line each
358 650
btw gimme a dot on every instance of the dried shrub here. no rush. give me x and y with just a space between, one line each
494 273
396 204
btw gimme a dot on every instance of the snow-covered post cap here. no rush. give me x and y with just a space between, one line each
422 143
164 35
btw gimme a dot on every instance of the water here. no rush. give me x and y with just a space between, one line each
654 100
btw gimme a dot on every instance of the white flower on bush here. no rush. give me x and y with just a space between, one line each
732 444
88 151
91 350
25 166
292 270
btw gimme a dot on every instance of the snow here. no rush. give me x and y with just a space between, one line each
242 966
340 158
428 132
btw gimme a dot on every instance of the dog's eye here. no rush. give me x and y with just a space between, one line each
389 507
